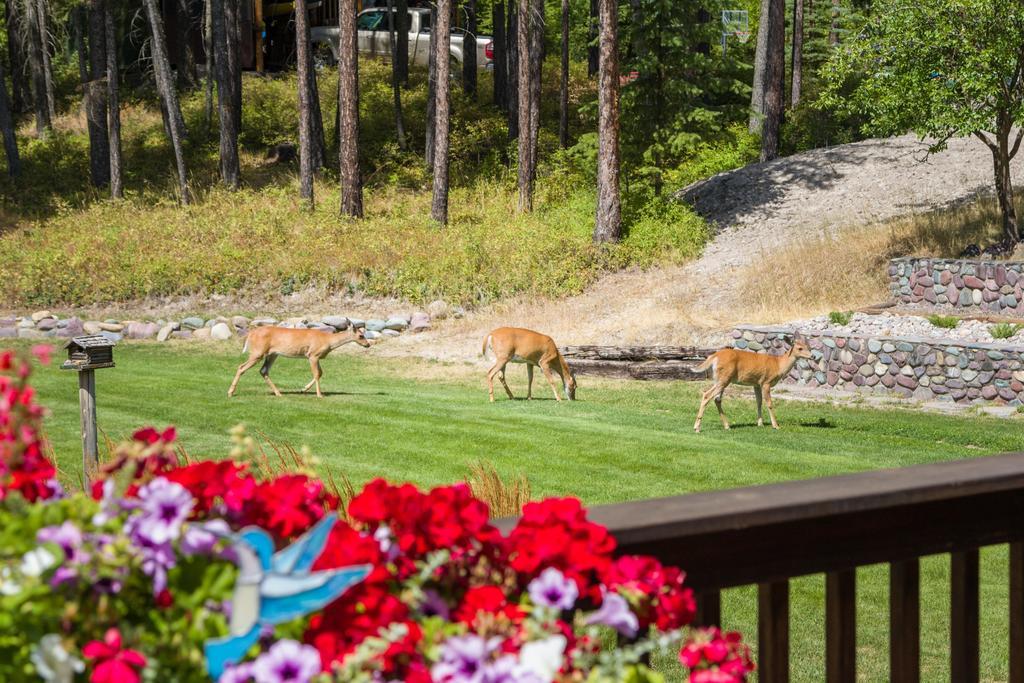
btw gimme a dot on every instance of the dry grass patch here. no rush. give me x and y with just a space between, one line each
848 269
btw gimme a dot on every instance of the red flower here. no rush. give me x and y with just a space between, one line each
164 599
208 481
113 664
489 600
556 533
655 592
149 435
288 505
714 658
23 466
357 614
43 353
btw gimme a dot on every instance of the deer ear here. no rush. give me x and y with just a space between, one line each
788 338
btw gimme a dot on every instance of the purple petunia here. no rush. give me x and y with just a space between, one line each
156 560
464 659
165 506
200 539
615 612
70 539
553 589
287 662
434 605
241 673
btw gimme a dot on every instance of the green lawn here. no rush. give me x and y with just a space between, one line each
425 422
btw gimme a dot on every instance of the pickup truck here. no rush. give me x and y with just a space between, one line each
372 30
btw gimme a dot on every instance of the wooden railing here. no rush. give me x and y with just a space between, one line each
766 535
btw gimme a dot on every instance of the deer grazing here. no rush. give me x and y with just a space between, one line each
758 370
516 345
267 343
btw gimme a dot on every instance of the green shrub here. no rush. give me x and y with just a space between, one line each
944 321
840 317
1004 330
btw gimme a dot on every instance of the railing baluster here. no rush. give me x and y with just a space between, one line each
905 622
1017 612
709 609
963 646
841 626
773 632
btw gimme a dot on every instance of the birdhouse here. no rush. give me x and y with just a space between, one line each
89 353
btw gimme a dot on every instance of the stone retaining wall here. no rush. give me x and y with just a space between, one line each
924 369
996 286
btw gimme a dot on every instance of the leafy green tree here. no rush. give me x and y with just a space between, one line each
944 69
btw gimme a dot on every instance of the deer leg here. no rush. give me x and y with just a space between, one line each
529 381
721 413
757 397
241 369
771 410
550 376
314 367
265 371
705 399
499 368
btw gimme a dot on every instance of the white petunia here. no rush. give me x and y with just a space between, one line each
35 562
53 663
7 585
542 658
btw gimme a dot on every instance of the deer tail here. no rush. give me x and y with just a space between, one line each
483 349
245 346
709 362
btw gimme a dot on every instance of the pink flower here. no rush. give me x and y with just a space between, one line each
43 353
113 664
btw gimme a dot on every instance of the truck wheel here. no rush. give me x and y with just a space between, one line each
323 56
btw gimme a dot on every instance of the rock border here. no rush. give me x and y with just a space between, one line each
44 325
995 286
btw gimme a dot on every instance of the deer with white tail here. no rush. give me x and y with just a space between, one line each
758 370
267 343
517 345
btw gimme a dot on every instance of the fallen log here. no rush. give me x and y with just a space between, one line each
650 370
636 353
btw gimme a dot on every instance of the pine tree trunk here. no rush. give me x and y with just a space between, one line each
833 34
500 65
208 49
7 129
563 86
79 29
774 75
44 32
230 170
319 141
20 93
402 51
431 128
442 30
96 97
525 176
608 226
169 97
396 78
35 58
306 154
537 21
469 50
186 58
798 51
760 64
512 68
234 45
113 106
348 113
593 50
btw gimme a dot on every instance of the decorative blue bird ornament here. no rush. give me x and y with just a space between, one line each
272 588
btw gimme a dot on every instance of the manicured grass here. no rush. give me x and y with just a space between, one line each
425 422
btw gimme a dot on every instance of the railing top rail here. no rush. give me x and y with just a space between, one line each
806 526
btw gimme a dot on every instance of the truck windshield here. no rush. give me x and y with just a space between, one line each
370 21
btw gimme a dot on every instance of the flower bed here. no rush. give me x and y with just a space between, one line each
996 286
917 367
166 569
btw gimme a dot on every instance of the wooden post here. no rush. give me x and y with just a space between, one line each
87 404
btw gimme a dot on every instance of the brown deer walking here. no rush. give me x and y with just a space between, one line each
758 370
516 345
267 343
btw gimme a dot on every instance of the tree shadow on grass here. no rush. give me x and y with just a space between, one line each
312 394
820 423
